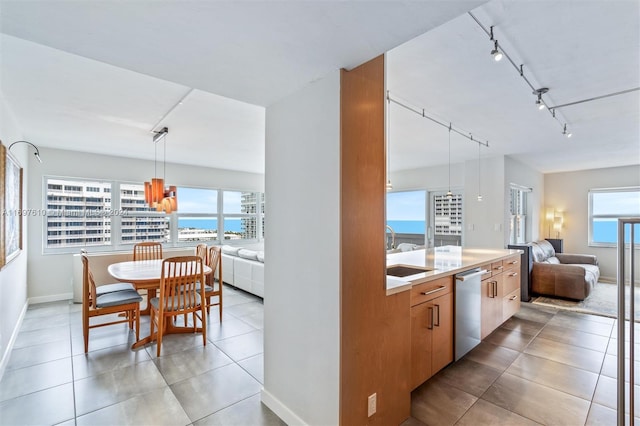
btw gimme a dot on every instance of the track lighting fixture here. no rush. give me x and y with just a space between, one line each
539 102
497 55
566 132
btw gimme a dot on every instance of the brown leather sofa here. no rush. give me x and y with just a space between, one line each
571 276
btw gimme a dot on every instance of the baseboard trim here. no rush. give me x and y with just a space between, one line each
12 341
51 298
281 410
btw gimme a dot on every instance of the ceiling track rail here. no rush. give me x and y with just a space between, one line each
595 98
421 112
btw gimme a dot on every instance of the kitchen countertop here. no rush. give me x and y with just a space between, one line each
444 261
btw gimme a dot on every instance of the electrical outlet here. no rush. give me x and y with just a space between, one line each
371 404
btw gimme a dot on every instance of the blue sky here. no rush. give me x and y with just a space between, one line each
620 203
406 205
196 200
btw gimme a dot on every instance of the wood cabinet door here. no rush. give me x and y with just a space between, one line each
442 340
491 305
421 343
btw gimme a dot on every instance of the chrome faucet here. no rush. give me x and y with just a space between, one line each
393 237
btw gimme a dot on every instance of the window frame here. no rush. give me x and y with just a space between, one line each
591 216
117 214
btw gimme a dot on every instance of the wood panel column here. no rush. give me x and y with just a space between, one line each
375 328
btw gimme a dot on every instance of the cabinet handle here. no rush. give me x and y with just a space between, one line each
495 289
430 325
425 293
437 323
514 262
513 297
513 274
498 268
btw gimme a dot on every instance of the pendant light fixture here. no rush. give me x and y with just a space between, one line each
388 186
497 55
449 193
156 194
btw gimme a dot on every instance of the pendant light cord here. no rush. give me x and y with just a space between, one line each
449 160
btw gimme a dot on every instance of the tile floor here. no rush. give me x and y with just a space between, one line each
49 380
543 366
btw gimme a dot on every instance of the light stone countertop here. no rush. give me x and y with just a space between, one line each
444 261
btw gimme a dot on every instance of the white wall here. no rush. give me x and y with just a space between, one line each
569 192
302 275
51 276
429 178
13 277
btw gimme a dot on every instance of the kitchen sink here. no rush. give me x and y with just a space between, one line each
404 271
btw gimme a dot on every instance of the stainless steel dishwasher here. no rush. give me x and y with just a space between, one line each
468 311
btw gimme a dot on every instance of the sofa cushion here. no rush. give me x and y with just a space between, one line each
248 254
230 250
552 260
260 256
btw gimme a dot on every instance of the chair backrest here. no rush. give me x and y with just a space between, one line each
88 284
215 263
147 251
178 283
201 252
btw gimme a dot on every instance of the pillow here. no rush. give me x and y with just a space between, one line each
233 251
248 254
260 256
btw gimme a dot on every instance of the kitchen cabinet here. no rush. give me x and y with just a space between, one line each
431 329
500 293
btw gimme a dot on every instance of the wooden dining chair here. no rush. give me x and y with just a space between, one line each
179 295
112 299
201 251
147 251
210 290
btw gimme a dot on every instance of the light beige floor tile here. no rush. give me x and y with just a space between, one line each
26 380
228 328
158 407
104 360
42 335
214 390
537 402
255 366
96 392
243 346
49 406
246 412
190 363
38 354
562 377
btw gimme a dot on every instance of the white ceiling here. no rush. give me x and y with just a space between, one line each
98 76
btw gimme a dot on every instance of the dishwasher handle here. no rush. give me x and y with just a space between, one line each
471 274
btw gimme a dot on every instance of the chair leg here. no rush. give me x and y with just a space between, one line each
208 305
85 332
137 313
160 330
204 326
220 302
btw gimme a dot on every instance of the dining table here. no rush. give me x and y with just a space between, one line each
146 275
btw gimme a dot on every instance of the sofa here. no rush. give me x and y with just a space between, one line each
571 276
243 267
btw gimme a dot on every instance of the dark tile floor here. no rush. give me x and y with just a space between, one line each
542 366
49 379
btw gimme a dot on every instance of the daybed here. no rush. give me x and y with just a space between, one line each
243 267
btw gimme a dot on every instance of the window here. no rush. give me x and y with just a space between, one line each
76 216
518 213
406 215
605 207
80 213
447 219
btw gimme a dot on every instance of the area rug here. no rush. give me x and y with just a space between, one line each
603 300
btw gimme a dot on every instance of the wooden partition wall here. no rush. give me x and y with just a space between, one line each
375 328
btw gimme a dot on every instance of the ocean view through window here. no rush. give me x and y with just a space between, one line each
605 207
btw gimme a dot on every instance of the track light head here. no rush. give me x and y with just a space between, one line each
497 54
539 102
566 132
